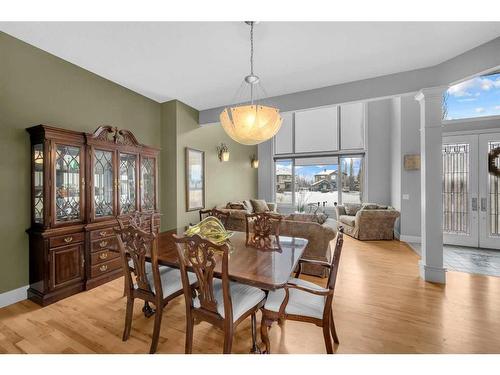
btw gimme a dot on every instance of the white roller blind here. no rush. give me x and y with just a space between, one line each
284 138
352 126
316 130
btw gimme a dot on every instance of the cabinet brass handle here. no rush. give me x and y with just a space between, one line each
103 255
68 239
103 268
103 243
102 234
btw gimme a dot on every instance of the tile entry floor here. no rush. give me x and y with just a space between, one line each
469 259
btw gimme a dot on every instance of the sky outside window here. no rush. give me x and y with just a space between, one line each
477 97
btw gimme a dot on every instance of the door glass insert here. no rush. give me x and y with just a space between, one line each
127 183
148 183
103 183
38 183
456 188
67 183
494 195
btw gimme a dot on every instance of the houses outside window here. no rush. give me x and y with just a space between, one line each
319 159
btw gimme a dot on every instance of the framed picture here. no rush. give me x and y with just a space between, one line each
195 179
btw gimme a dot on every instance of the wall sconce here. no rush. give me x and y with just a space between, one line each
254 162
223 152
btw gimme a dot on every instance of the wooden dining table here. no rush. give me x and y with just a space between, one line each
264 269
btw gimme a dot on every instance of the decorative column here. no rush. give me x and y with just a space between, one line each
431 176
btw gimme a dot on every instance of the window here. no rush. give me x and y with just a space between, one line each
309 184
477 97
316 130
283 185
333 173
284 138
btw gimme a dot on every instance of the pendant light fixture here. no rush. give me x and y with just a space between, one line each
251 124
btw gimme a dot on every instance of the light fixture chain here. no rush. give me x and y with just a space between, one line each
251 49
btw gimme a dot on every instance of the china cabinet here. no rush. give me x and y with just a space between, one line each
80 184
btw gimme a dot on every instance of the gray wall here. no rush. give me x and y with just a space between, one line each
378 152
410 180
470 63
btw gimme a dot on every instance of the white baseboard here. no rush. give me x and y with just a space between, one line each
13 296
406 238
432 274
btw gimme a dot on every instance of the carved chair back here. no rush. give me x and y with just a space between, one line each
262 230
140 220
201 256
221 215
135 246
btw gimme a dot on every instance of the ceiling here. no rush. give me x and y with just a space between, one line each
203 63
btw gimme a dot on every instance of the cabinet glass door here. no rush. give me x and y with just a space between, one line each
67 183
147 183
38 183
127 194
103 183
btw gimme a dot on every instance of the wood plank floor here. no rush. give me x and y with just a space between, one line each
381 306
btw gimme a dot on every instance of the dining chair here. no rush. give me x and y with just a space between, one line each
304 301
153 283
144 221
221 215
262 230
221 302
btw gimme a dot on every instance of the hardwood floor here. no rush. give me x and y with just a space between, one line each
381 306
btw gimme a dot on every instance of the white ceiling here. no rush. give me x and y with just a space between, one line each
203 63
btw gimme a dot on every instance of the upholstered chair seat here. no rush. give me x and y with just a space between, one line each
171 281
243 298
299 302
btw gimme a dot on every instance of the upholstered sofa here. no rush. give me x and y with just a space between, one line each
367 221
295 225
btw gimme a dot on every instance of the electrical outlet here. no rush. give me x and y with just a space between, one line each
406 197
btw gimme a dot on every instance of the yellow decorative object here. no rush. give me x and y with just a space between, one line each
210 229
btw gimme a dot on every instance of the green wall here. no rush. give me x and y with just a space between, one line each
39 88
228 181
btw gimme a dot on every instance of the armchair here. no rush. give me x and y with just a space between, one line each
304 301
367 221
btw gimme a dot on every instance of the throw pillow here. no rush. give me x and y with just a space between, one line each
236 206
248 205
259 205
321 217
352 208
370 206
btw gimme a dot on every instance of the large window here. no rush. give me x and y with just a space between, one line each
477 97
318 158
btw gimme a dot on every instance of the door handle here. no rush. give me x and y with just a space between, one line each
474 204
483 204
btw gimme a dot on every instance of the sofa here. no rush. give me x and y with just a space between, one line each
295 225
367 221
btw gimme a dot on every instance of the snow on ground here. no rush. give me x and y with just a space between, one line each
317 196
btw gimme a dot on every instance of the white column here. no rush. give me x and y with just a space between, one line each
431 263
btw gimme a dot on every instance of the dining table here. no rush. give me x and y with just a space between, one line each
262 268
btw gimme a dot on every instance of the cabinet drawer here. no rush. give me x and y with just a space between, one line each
67 239
102 233
103 256
104 244
103 268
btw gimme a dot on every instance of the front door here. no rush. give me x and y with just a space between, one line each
489 188
471 195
